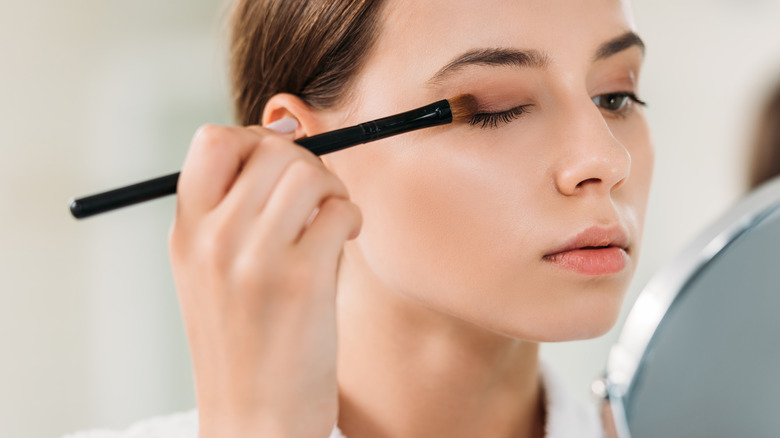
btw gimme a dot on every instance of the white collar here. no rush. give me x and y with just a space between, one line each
566 415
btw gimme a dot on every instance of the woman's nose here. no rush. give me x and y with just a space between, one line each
592 159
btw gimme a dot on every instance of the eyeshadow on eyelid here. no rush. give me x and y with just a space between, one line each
500 103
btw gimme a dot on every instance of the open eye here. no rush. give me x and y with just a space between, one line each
617 103
495 119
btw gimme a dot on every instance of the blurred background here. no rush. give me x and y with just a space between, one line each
96 94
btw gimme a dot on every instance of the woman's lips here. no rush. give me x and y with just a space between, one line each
596 261
595 251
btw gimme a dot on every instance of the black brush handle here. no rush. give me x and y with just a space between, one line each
166 185
124 196
437 113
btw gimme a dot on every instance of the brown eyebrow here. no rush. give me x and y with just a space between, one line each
492 57
619 44
502 57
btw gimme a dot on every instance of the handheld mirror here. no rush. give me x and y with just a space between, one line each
699 354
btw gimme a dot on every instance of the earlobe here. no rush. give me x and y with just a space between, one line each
284 105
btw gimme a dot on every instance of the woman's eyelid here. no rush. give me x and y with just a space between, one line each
495 119
499 103
617 78
492 111
626 90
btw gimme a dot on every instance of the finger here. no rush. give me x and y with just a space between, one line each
261 172
337 221
302 188
213 161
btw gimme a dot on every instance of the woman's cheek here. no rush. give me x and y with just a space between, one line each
455 218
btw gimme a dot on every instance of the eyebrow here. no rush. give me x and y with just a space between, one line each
507 57
619 44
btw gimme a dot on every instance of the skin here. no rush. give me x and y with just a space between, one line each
438 305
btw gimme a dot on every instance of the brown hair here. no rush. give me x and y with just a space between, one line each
310 48
765 163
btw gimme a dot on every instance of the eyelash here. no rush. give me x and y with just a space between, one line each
494 120
625 108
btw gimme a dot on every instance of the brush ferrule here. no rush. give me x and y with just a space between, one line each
437 113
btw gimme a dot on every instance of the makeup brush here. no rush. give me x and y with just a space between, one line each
457 109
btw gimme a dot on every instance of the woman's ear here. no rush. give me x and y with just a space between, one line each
284 105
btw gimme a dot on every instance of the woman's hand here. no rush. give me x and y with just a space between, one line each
259 228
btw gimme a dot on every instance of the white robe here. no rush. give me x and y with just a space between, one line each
566 417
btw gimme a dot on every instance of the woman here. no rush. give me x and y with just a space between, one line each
401 288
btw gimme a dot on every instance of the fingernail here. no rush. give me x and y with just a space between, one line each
287 125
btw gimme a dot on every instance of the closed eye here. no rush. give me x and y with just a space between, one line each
496 119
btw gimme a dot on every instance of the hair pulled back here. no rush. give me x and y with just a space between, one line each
310 48
765 160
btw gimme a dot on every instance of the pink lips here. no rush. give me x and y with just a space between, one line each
595 251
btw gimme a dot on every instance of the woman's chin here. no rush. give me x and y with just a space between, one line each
584 317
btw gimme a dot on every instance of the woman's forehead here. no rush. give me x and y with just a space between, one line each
421 37
414 20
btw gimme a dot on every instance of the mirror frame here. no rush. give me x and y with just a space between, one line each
660 293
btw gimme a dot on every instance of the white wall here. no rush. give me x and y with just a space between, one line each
95 94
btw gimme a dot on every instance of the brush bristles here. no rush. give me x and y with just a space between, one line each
463 107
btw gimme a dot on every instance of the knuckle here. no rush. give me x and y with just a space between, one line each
250 272
211 137
338 206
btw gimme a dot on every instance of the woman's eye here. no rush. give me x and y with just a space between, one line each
494 120
618 103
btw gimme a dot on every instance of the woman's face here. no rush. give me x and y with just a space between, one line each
473 220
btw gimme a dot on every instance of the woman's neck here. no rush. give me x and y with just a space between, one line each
408 371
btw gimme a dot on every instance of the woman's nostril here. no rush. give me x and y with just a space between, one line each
588 181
